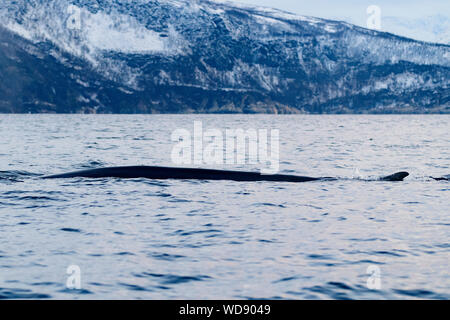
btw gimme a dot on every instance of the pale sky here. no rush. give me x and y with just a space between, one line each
355 10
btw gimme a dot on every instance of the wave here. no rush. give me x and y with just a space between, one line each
92 164
443 178
16 175
13 293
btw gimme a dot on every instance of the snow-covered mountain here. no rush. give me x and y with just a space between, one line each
200 56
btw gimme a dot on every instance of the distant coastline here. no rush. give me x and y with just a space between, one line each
221 59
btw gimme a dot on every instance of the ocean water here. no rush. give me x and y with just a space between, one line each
354 238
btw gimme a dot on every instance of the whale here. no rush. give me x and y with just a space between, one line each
175 173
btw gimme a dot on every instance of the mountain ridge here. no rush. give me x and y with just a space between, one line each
209 57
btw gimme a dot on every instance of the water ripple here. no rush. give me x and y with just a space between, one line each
152 239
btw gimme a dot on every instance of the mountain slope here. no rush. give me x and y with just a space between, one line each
200 56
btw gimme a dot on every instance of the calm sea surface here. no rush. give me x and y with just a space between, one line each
207 240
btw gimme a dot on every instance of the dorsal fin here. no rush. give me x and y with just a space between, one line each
399 176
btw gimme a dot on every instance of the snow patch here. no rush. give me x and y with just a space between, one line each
19 30
121 33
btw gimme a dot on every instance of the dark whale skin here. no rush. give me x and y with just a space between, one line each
399 176
164 173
